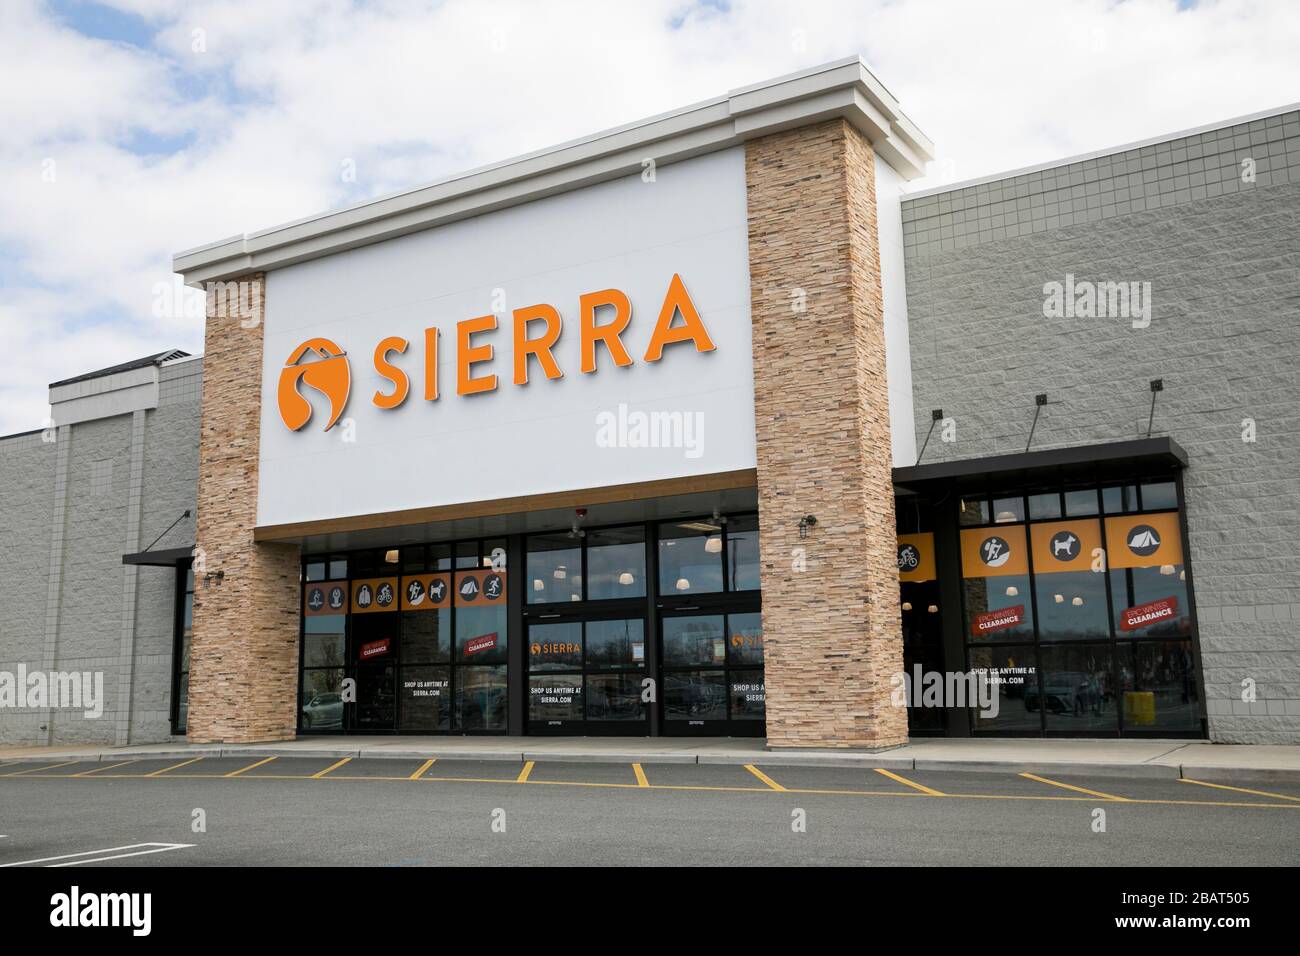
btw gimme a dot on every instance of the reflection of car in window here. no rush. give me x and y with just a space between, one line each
323 710
1066 692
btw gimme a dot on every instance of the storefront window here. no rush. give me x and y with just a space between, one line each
426 699
615 563
1158 683
481 699
1013 675
322 699
554 569
1077 695
690 558
742 553
1090 598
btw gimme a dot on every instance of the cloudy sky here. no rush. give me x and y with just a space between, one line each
131 129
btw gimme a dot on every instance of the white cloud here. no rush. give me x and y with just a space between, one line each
410 91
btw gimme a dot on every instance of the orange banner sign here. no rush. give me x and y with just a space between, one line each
994 552
477 588
325 597
916 557
426 592
374 595
1144 541
1066 546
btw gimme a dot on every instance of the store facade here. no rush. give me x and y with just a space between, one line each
703 426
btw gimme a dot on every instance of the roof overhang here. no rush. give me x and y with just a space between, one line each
164 558
1084 462
844 88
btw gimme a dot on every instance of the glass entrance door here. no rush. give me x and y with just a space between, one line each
585 675
712 666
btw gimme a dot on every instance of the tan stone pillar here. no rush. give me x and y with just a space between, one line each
244 652
832 630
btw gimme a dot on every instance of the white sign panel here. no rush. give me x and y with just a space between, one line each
632 418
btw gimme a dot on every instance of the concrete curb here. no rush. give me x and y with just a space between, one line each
851 761
506 756
1233 776
1138 771
620 758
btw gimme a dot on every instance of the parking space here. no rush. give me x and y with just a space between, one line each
703 776
616 774
493 770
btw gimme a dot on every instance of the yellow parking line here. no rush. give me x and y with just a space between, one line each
764 777
1070 786
53 766
183 763
333 766
1224 786
87 773
641 781
911 783
523 774
236 773
423 767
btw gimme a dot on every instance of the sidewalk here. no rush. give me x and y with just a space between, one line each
1200 760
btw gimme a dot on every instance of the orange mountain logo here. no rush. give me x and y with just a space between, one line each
330 375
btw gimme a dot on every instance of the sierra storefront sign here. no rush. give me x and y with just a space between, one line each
604 317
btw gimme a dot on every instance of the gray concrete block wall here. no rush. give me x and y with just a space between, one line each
103 616
1224 336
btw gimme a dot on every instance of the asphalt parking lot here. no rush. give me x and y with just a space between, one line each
308 811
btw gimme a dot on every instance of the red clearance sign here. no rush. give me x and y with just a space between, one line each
998 620
1144 615
376 648
476 645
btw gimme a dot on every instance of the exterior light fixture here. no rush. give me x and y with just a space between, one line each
1077 602
713 543
1012 591
625 578
806 522
683 584
390 556
907 605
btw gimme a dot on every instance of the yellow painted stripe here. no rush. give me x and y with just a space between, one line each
764 777
333 766
423 767
523 774
53 766
641 781
1224 786
911 783
183 763
236 773
87 773
1070 786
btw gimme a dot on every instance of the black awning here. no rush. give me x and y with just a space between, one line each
166 558
1110 460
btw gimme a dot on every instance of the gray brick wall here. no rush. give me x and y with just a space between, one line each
101 616
1223 260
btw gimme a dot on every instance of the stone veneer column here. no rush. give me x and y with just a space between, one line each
244 651
832 631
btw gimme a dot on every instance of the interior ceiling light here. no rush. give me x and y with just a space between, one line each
626 578
390 556
683 584
933 609
907 605
1077 602
1012 591
713 543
